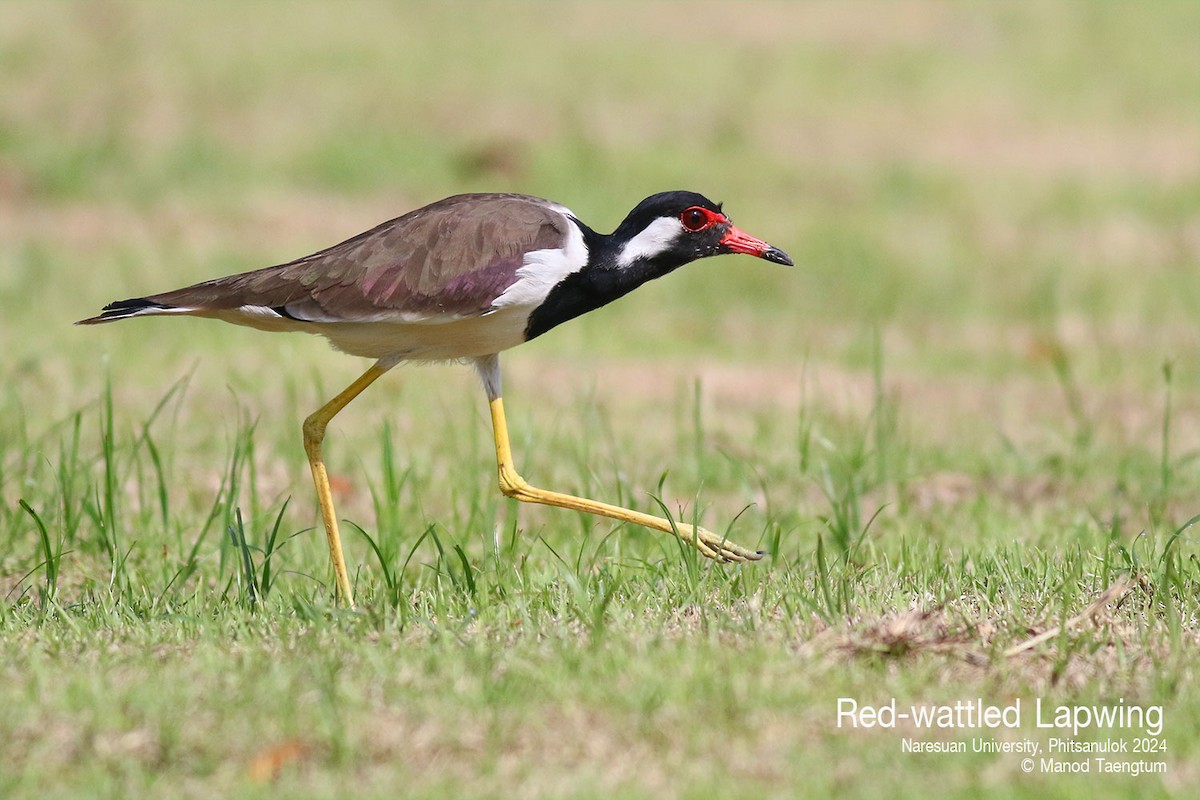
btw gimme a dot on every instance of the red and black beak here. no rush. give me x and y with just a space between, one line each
738 241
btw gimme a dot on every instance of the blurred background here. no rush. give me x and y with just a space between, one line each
994 209
968 411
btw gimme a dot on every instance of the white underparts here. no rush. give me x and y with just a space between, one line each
654 240
260 311
453 338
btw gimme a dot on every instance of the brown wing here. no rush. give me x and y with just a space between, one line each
453 257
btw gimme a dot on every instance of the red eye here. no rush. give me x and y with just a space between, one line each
697 219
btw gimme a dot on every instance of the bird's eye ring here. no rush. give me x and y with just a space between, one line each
696 219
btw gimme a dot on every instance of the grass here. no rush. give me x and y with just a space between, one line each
964 429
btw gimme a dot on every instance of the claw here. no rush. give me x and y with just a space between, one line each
718 548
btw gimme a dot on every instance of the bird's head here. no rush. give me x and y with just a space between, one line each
672 228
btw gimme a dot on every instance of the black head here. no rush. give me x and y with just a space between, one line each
664 232
670 229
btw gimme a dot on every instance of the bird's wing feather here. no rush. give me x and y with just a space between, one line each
447 260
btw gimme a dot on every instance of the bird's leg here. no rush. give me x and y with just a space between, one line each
513 485
314 434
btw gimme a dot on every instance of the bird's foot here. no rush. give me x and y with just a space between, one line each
715 546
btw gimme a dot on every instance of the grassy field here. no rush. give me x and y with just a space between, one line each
964 428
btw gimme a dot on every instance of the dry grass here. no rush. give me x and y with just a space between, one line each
950 425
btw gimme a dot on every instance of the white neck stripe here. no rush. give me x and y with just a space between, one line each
545 269
654 240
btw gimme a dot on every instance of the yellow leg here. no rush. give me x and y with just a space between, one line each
314 434
513 485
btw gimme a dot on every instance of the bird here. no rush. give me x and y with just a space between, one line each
464 279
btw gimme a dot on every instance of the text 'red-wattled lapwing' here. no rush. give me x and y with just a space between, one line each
464 279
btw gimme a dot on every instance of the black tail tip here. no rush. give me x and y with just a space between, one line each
122 309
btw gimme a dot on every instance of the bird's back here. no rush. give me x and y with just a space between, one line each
447 260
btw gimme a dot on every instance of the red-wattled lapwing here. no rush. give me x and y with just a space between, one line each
465 278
